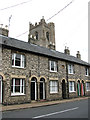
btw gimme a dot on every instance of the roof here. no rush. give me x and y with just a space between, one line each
18 44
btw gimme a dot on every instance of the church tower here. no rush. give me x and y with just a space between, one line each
42 34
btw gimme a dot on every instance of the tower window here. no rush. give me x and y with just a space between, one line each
47 35
36 34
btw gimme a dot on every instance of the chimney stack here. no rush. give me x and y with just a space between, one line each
4 31
78 55
67 51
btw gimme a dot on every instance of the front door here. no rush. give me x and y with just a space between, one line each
82 89
0 89
63 89
78 89
32 90
41 90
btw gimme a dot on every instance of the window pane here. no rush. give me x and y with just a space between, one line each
71 86
17 85
12 59
17 82
47 35
53 86
86 71
12 89
36 34
70 68
17 89
55 66
23 61
12 86
52 65
88 86
17 60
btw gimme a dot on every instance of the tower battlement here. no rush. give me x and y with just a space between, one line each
43 34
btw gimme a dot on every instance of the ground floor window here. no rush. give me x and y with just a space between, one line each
17 86
53 86
88 86
71 86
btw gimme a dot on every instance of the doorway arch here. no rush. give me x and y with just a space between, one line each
34 88
1 89
42 89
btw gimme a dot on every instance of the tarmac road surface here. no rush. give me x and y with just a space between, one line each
75 109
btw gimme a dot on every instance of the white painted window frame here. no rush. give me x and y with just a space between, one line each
22 65
55 66
51 82
70 69
73 85
1 88
86 72
16 94
87 86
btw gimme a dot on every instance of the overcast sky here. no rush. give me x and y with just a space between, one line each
71 25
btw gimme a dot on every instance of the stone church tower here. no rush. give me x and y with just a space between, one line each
42 34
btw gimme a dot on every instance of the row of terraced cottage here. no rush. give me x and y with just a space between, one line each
34 70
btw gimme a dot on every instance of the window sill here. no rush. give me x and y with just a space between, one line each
86 75
70 73
72 91
17 94
53 93
18 67
88 90
53 71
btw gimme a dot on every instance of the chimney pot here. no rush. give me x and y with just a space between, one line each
78 55
67 51
4 31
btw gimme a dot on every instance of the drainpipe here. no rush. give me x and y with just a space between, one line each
67 80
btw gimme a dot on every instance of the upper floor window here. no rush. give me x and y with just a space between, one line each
86 71
70 69
47 35
17 86
18 60
36 34
53 66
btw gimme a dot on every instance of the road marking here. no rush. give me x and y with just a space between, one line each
56 113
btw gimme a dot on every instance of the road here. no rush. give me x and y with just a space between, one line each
76 109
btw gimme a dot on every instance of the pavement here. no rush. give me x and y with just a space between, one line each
38 104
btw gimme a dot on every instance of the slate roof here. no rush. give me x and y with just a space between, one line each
14 43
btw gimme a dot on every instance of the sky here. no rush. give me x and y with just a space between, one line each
71 24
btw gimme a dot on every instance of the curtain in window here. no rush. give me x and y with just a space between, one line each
53 86
17 85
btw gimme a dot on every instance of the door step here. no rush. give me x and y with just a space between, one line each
43 100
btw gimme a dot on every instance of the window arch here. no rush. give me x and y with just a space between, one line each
42 80
47 35
34 79
1 78
36 34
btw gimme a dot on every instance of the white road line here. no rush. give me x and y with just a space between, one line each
56 113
